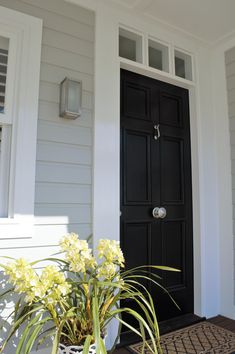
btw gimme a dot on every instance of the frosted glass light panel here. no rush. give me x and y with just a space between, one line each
158 55
70 98
130 45
4 47
183 65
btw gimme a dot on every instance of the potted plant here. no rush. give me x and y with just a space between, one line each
73 299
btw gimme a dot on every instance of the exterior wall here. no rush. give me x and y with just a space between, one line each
230 79
64 147
63 195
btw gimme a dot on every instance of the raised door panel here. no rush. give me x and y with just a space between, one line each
137 186
172 170
173 253
136 244
136 101
171 112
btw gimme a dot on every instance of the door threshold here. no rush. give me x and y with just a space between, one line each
179 322
173 324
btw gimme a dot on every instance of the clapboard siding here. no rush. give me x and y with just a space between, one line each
61 193
50 92
61 8
230 68
232 124
229 57
230 74
56 21
63 189
232 137
67 42
231 95
42 231
63 173
67 60
62 214
31 252
52 73
49 112
60 133
231 109
56 152
233 153
47 236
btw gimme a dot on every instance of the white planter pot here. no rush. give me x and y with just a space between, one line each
75 349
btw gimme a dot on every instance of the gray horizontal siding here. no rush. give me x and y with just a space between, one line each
63 191
63 173
75 214
57 152
61 133
51 73
55 19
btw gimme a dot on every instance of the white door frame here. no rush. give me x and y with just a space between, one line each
106 202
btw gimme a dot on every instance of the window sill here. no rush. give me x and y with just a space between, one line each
14 228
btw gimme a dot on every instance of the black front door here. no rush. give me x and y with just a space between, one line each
156 173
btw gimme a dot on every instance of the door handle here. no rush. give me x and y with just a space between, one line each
157 133
159 213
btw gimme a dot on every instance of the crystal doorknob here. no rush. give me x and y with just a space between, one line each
159 213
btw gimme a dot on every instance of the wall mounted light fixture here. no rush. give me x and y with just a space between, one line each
70 98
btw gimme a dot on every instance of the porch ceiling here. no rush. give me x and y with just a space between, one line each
209 20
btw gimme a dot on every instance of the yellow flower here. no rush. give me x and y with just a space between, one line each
111 251
50 287
107 270
77 253
22 275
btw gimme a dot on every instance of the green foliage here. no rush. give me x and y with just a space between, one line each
74 298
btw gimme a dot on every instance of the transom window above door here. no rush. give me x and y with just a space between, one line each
154 54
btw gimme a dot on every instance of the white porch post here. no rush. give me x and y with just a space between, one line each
106 195
106 140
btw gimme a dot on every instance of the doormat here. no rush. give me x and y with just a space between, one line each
202 338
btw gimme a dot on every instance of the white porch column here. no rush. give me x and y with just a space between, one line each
106 130
106 192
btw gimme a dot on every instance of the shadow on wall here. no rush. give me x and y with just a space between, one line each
7 306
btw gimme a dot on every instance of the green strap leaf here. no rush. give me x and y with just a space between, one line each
87 345
96 322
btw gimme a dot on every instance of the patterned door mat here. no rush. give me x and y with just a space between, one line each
202 338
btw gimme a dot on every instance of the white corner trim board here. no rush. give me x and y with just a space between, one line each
25 35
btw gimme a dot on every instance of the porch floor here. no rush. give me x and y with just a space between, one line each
221 321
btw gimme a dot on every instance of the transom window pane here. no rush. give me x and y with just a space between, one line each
158 55
4 47
130 45
183 65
